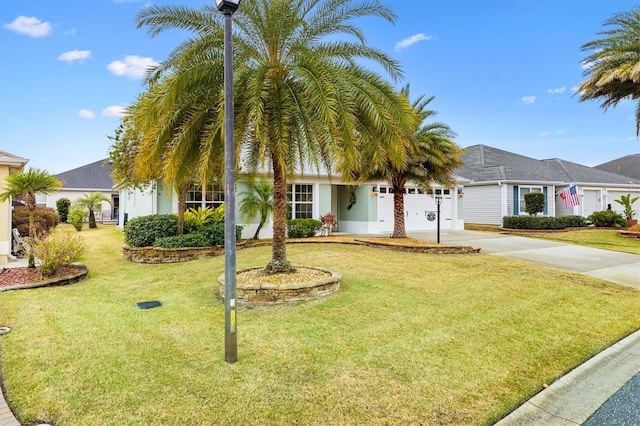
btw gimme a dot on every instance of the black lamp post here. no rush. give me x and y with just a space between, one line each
438 202
227 7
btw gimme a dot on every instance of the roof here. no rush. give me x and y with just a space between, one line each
482 163
12 160
629 166
91 176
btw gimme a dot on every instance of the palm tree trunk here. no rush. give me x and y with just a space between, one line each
92 219
255 236
182 207
398 210
279 262
32 236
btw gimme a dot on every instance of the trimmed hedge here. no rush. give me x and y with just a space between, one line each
607 218
45 219
542 222
179 241
303 228
142 231
214 233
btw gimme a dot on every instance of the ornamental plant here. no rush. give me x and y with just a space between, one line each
58 249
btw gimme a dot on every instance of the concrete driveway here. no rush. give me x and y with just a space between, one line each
617 267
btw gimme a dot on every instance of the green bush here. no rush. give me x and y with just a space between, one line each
214 233
195 219
303 228
62 205
607 218
534 203
540 222
77 217
45 219
142 231
58 249
185 240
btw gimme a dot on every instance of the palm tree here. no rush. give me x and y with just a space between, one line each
26 185
613 67
303 97
433 156
92 202
257 201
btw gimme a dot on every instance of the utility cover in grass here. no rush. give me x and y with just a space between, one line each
149 304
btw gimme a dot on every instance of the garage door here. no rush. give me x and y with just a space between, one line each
418 207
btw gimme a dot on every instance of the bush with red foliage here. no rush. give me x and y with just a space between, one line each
45 219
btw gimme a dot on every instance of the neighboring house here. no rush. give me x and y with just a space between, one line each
629 166
8 164
361 209
500 179
94 177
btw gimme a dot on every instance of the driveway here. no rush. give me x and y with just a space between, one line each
617 267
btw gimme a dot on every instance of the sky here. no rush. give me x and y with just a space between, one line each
503 72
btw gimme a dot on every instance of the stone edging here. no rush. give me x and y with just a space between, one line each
629 234
416 248
67 279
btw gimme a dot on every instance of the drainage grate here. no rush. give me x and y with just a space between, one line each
149 304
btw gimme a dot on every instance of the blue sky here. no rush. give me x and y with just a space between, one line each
503 73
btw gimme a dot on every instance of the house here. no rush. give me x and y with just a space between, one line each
359 209
498 181
8 164
629 166
94 177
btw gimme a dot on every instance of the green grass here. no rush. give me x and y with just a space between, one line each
408 339
605 239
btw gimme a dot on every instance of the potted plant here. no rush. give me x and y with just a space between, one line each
627 202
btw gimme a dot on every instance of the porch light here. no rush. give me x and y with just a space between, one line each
225 6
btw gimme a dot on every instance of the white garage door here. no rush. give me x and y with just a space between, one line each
418 207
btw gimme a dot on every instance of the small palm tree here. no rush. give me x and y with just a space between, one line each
257 201
25 185
91 202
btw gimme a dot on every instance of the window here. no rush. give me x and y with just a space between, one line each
383 190
411 190
522 190
212 196
300 201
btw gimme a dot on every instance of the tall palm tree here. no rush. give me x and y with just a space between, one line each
613 67
303 97
258 201
433 156
92 202
26 185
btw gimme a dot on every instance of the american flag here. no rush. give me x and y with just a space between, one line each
570 197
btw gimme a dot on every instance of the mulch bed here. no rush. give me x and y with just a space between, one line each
10 277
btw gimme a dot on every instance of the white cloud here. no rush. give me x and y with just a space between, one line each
411 40
547 133
86 114
133 66
114 111
75 55
586 65
544 134
30 26
528 99
574 89
557 91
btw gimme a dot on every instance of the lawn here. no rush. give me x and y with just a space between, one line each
408 339
605 239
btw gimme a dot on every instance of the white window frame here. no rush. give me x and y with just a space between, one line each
300 201
522 205
212 196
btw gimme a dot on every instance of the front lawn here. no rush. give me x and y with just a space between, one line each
408 339
608 239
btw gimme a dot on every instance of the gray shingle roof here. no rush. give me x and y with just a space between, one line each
91 176
485 163
629 165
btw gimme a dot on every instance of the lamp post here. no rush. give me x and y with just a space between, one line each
227 7
438 202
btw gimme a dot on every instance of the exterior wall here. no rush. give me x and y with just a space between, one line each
5 219
136 202
356 219
74 194
484 204
614 194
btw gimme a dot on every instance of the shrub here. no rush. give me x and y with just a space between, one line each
58 249
607 218
186 240
540 222
534 203
62 205
303 228
329 223
195 219
142 231
214 233
45 219
635 228
77 217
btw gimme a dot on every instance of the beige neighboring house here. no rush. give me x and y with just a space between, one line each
8 164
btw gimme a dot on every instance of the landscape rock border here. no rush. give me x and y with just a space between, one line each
64 280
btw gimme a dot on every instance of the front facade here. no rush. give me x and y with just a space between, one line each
359 209
94 177
500 179
8 164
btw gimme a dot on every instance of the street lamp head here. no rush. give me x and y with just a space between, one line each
438 199
227 5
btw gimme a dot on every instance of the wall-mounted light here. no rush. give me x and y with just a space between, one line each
374 190
460 192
